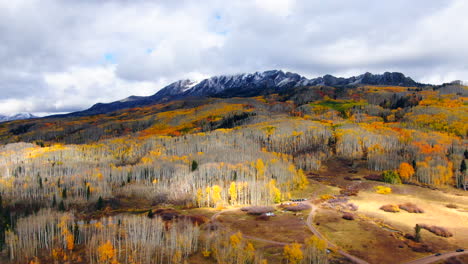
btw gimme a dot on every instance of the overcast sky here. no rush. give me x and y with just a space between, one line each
61 56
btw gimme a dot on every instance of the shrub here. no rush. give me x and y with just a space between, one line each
391 176
352 207
258 210
437 230
391 208
452 206
411 208
296 207
349 191
374 177
262 217
326 196
348 216
383 189
352 178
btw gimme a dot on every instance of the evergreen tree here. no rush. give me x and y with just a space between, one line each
76 232
150 214
194 165
100 204
54 201
64 193
61 206
39 181
88 193
417 233
463 167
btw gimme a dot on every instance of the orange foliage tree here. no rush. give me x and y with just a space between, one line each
406 171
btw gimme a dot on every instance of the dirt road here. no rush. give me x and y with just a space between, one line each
433 258
309 222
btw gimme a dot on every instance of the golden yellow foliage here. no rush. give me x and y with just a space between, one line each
236 240
250 250
233 192
293 253
216 194
177 257
383 189
316 242
206 253
326 196
260 166
301 179
275 193
107 253
199 197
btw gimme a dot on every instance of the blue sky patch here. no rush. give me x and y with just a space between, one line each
110 57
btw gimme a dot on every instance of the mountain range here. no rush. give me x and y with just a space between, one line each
244 85
19 116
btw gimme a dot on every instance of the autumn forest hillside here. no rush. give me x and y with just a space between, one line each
75 188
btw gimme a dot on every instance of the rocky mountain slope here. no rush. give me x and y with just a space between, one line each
243 85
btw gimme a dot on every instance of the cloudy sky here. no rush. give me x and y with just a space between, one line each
61 56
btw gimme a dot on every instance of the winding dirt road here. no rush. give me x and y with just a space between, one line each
309 222
433 258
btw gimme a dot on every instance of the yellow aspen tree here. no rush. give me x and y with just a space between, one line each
208 195
236 240
233 192
70 241
275 193
199 197
302 179
260 166
293 253
216 194
250 251
177 257
107 253
316 242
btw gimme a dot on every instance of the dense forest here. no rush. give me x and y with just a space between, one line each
58 176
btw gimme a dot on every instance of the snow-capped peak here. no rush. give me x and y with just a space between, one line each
18 116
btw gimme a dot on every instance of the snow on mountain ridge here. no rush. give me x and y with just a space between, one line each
18 116
245 85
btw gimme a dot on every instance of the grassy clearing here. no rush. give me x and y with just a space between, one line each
363 238
435 211
315 189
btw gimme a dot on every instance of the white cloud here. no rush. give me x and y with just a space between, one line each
60 56
281 8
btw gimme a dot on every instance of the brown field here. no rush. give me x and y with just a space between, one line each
363 238
284 227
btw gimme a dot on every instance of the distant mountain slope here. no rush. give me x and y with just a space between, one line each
243 85
19 116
